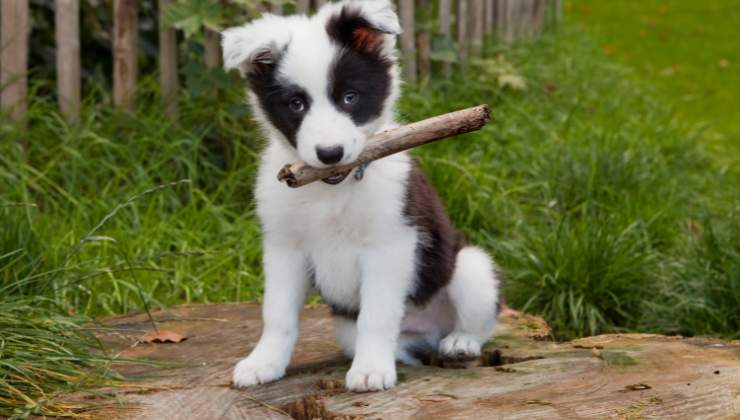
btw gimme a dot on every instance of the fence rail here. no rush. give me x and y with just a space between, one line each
475 22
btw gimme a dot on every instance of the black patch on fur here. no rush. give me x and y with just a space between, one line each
439 243
274 96
338 310
360 66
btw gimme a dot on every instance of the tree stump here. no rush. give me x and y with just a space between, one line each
522 374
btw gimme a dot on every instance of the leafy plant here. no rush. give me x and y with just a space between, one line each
194 16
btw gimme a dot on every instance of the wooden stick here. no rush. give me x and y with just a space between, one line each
393 141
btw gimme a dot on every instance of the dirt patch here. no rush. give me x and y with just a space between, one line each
312 406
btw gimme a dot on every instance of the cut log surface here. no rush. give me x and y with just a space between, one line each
522 374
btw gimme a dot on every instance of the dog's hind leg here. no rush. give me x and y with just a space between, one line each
474 293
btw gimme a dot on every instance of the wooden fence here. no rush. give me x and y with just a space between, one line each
475 22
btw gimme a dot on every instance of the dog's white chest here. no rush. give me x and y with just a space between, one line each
334 225
337 271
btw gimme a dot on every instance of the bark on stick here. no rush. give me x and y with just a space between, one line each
393 141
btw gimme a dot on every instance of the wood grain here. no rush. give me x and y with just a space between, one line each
393 141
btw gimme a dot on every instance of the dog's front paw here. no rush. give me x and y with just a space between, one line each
374 379
459 345
250 372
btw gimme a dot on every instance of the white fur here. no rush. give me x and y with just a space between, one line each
352 236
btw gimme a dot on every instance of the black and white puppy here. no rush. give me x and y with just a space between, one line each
381 249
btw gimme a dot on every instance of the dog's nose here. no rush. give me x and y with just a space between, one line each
330 155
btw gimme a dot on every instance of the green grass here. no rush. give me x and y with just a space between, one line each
43 355
685 48
604 210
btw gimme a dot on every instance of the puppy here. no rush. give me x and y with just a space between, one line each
376 243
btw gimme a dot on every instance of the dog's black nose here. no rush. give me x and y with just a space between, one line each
330 155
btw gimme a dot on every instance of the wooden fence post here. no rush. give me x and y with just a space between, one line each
212 53
408 39
14 57
539 13
319 3
509 18
168 78
124 52
444 28
212 49
500 7
67 26
302 6
477 19
423 45
555 11
489 12
461 18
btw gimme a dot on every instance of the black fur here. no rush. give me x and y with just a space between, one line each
275 96
338 310
439 244
436 253
358 67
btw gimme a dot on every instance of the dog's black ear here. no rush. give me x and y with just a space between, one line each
255 47
363 25
262 60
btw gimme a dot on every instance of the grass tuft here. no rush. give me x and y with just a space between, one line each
43 355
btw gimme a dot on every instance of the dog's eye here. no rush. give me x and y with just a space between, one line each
297 105
350 97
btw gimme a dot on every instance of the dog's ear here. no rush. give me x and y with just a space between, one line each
256 45
364 25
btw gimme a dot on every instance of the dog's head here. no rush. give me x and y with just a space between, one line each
324 83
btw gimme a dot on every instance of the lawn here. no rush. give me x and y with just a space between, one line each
687 49
604 210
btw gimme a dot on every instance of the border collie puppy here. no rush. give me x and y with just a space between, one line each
377 245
